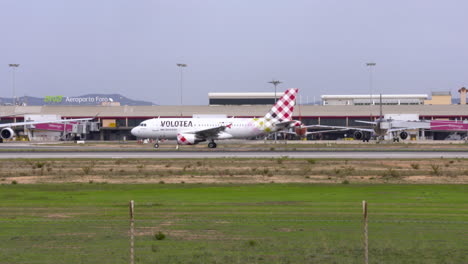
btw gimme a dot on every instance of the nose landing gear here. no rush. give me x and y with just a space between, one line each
156 145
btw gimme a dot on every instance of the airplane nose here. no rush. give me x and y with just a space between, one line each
134 131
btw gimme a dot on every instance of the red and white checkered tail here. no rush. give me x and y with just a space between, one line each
284 107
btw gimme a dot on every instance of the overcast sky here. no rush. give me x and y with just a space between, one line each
319 46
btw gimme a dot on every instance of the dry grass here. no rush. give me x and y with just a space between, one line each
283 170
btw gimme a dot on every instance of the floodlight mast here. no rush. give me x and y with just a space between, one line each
370 65
13 66
181 67
275 83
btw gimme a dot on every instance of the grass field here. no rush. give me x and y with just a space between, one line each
233 223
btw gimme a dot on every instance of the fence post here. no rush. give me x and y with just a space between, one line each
366 241
132 233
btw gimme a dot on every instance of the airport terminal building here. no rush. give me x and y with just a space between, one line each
117 121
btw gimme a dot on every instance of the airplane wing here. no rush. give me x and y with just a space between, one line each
366 122
317 132
339 128
414 127
285 124
44 122
211 133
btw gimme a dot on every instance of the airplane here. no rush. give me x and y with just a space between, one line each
7 132
191 131
380 128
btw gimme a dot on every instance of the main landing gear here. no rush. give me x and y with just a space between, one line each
212 144
395 137
366 137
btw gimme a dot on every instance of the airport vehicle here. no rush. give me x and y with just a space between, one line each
7 132
190 131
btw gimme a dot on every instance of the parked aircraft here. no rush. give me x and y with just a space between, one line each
380 128
7 132
190 131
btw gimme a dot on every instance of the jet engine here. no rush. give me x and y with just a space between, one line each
358 135
7 133
188 139
404 135
301 131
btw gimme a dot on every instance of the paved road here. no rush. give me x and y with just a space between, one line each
246 154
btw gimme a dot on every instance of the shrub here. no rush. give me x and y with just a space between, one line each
345 182
311 161
159 236
40 164
251 243
391 173
86 170
161 182
415 166
14 182
435 169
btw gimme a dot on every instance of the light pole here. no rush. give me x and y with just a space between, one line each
275 83
14 66
370 65
181 67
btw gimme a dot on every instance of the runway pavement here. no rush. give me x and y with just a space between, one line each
244 154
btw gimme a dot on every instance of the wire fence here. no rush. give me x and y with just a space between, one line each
224 237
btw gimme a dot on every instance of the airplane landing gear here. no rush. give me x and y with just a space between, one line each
366 137
156 145
212 144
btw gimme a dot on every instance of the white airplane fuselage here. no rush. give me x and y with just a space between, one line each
190 131
169 128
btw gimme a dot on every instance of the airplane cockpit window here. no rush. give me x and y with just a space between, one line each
143 124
